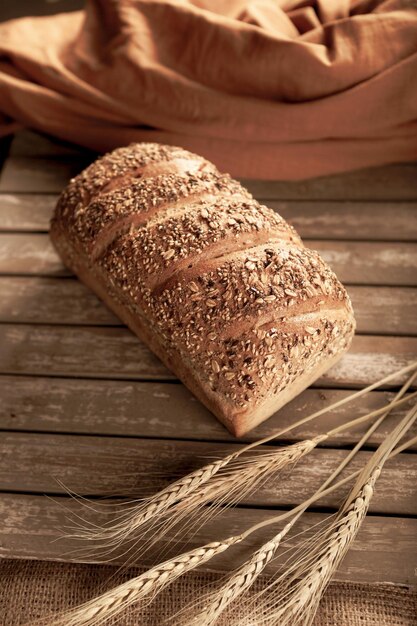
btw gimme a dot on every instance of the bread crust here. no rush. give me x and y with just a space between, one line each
220 287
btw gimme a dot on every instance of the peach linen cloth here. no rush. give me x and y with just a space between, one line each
264 89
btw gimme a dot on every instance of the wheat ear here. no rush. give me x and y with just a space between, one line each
149 584
226 487
297 592
216 602
156 505
223 482
296 604
146 586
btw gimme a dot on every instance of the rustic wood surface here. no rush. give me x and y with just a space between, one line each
85 403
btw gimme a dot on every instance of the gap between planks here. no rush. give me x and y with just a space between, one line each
32 528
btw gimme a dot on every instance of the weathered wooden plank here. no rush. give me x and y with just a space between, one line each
385 310
104 352
370 221
35 299
29 254
31 530
355 262
32 462
76 351
358 220
26 212
51 301
392 182
370 263
136 409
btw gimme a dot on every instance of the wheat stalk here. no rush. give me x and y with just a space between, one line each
216 602
297 601
223 482
150 583
294 597
232 482
150 515
147 585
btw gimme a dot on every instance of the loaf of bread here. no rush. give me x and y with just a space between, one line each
218 286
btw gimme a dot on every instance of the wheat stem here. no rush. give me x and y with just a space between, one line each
404 446
369 432
317 496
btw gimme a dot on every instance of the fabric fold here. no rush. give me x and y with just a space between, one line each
265 89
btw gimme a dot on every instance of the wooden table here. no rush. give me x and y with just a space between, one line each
83 402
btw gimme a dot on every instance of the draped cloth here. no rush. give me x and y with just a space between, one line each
282 89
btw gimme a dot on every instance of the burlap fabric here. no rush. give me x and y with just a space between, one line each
31 589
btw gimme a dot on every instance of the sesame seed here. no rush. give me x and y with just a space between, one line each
310 330
215 366
290 292
229 375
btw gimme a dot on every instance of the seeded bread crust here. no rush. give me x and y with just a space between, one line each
220 287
